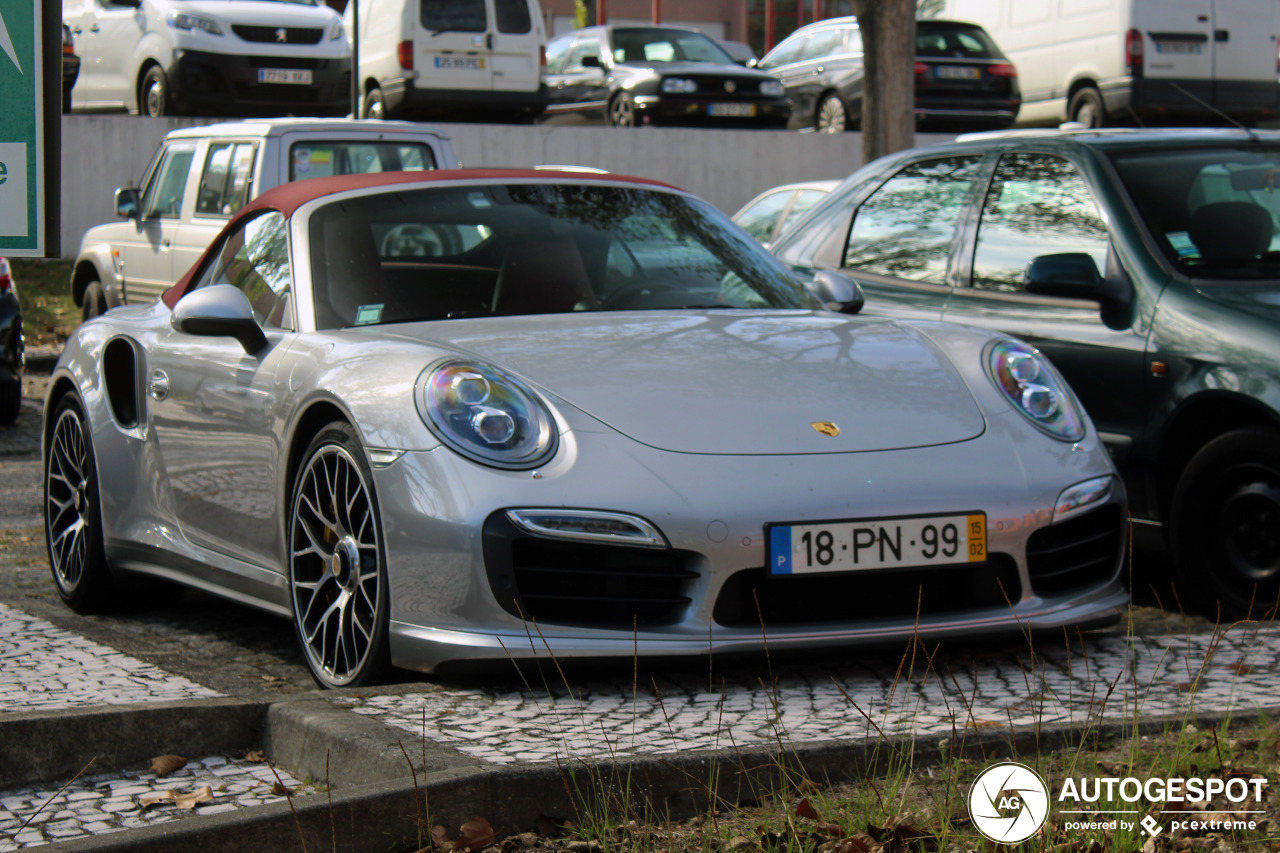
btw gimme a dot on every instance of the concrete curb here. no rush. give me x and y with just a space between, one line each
399 805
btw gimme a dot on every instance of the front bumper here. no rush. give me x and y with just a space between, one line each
700 111
403 98
216 82
455 597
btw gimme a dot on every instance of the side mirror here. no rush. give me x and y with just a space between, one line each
129 204
219 310
591 62
838 292
1074 275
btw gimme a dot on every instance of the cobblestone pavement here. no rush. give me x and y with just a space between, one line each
98 805
43 668
1087 681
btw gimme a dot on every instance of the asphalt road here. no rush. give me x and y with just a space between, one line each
243 653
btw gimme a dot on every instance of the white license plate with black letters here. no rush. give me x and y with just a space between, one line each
862 544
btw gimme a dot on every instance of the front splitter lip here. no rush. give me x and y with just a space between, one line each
423 648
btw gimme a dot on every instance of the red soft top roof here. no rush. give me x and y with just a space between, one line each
287 198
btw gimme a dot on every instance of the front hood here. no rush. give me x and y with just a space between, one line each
263 12
733 383
1261 300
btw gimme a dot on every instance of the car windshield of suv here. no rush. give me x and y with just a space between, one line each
936 39
1215 212
455 252
655 44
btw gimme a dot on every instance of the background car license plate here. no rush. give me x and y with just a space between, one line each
296 76
464 63
1193 47
841 546
958 72
732 110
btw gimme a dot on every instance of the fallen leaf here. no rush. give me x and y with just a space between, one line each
1240 668
476 835
280 790
163 765
806 810
983 724
440 836
190 801
830 829
148 800
860 843
808 786
255 756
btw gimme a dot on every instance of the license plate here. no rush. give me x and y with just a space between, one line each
1185 47
843 546
460 63
732 110
293 76
958 72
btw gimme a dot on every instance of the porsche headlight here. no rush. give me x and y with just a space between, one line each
486 414
679 85
184 21
772 89
1034 388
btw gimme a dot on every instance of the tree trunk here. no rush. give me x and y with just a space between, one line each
888 88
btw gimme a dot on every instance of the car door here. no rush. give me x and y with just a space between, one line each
1040 204
222 188
516 44
146 254
214 405
106 34
904 240
580 87
454 49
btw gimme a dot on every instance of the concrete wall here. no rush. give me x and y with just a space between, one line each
726 167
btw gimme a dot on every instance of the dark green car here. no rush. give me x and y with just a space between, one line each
1146 264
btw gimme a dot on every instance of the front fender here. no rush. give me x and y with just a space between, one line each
94 263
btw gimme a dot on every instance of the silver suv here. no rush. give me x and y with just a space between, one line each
200 176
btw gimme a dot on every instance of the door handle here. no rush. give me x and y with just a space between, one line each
166 245
1222 35
818 70
94 28
77 30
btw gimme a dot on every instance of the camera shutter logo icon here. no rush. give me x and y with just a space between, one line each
1009 803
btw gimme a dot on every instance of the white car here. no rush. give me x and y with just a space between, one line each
766 215
200 176
160 57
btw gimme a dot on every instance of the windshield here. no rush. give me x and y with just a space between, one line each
1215 212
454 252
658 44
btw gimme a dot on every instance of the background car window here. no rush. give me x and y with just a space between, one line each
323 159
464 16
823 43
255 259
907 227
163 194
654 44
759 219
557 51
585 46
513 16
961 41
805 199
1036 205
787 52
224 184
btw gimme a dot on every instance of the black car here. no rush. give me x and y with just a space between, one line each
1146 265
70 67
11 347
659 75
962 80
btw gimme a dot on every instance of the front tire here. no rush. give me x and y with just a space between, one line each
337 566
10 401
153 99
831 115
622 110
1225 524
94 302
73 513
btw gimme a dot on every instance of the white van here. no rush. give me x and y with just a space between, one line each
1154 61
427 58
165 57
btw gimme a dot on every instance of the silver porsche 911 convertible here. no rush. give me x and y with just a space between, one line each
464 416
